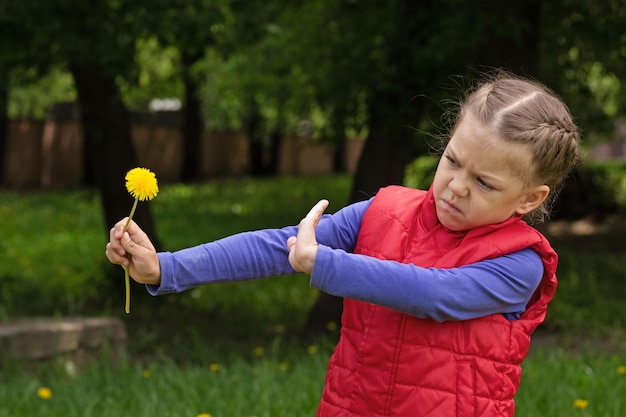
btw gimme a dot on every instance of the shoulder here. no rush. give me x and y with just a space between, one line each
396 197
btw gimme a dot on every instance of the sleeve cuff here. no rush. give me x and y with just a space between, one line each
166 286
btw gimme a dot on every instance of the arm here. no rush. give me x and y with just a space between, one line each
250 255
501 285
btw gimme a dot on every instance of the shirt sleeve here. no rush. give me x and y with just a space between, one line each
502 285
251 255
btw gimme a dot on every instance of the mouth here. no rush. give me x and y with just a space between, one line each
448 206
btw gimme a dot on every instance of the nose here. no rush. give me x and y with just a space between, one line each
458 186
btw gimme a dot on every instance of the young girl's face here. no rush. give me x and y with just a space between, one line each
479 179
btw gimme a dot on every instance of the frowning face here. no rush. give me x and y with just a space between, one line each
479 179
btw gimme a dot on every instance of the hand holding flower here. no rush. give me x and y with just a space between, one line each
141 183
133 249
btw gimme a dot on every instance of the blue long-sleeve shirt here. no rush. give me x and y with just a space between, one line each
502 285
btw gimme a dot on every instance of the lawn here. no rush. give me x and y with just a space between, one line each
237 349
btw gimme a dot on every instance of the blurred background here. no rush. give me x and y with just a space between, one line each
249 112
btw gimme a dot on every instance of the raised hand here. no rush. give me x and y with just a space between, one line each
303 247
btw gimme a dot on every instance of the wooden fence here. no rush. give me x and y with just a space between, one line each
49 155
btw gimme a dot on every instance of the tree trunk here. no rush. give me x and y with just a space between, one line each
193 125
385 155
4 130
253 127
339 141
106 130
518 49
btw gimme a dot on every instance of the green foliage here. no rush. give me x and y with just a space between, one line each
33 95
590 296
322 60
608 183
50 251
421 172
157 75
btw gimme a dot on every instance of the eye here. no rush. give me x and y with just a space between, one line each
451 160
483 184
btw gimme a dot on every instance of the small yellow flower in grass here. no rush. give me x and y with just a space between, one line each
258 351
311 349
283 366
214 367
203 415
621 369
580 404
142 185
146 373
44 393
331 326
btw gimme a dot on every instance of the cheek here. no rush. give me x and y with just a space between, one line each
439 179
437 186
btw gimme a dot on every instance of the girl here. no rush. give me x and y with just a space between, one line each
442 288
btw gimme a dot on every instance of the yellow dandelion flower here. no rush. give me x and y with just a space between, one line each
311 349
283 366
331 326
621 369
204 415
214 367
581 404
146 373
44 393
141 183
259 351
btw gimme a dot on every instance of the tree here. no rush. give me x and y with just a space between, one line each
96 42
14 54
192 27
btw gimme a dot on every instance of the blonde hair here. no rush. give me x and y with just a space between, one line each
526 112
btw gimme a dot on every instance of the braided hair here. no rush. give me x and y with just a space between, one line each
526 112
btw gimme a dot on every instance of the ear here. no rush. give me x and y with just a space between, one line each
532 199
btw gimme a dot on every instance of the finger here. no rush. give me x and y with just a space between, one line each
131 247
315 214
138 236
115 235
114 257
306 229
118 228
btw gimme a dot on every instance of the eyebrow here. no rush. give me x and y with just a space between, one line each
489 178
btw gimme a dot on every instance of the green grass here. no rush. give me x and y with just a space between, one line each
270 384
554 379
235 349
285 382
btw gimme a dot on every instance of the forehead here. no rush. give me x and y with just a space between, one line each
482 147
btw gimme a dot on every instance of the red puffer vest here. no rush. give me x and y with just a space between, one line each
391 364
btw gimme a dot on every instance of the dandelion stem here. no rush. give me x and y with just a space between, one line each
127 284
126 277
130 216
